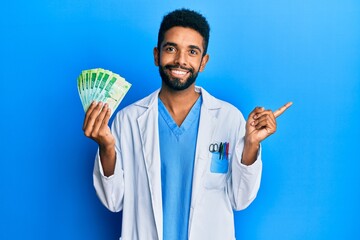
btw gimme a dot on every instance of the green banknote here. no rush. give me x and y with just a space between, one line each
101 85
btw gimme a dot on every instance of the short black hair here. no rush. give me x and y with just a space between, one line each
188 19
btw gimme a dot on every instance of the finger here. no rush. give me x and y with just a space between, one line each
263 113
105 122
88 129
265 121
104 129
254 112
99 120
88 112
282 109
257 116
266 116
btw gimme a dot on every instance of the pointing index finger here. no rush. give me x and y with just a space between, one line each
282 109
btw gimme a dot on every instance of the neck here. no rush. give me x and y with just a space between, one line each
178 103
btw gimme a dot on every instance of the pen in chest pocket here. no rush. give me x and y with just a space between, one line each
220 150
227 150
224 150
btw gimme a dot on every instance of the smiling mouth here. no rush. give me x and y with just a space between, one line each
178 72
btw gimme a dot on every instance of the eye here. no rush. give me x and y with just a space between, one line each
193 52
170 49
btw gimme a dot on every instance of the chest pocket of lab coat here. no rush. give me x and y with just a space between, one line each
216 173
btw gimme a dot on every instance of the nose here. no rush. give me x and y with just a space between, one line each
181 58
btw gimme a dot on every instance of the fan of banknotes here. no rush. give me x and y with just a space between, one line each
101 85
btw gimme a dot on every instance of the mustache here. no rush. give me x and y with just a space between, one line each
169 66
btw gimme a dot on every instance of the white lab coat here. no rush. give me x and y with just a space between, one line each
135 187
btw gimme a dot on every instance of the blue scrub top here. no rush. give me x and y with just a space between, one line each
177 153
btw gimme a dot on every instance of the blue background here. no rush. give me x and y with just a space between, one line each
261 53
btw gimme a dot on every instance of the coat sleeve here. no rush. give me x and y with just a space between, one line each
245 180
110 190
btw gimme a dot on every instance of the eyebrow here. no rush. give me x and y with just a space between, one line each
175 45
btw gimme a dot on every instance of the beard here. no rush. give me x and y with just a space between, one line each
175 83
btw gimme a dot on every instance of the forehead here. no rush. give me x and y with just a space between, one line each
183 37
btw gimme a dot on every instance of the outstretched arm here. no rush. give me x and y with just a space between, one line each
261 123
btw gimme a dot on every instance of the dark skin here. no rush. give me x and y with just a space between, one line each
182 47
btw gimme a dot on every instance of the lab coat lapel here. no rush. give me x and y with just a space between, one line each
207 126
148 126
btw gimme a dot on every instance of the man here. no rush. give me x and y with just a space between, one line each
179 161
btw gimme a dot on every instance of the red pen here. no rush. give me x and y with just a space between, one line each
227 150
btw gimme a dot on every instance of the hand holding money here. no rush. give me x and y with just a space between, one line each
101 92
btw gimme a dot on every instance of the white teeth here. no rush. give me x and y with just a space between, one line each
178 72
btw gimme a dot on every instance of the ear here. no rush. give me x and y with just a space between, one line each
204 61
156 56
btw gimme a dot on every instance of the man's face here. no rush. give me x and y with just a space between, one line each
180 57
